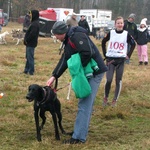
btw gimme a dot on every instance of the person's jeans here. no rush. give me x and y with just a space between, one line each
29 66
85 108
127 61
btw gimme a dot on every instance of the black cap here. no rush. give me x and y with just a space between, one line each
59 27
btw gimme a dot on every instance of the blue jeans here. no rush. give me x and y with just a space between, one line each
29 66
128 50
85 108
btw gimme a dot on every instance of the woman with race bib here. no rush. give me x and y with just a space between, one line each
115 56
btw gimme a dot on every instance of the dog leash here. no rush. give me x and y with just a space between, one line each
55 87
62 87
69 90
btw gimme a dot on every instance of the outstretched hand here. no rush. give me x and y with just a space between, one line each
50 81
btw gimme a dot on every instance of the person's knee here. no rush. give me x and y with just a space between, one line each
109 82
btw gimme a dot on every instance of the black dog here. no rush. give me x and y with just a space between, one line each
45 99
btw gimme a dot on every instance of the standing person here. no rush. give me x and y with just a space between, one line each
76 41
31 41
72 22
26 22
100 34
131 27
84 24
115 56
143 38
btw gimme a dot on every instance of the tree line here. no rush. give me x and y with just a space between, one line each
123 8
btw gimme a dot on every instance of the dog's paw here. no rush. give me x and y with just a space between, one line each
41 127
39 138
64 132
57 137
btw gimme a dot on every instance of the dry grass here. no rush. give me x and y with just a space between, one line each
125 127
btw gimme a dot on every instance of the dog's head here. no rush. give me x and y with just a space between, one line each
6 33
14 33
17 33
35 92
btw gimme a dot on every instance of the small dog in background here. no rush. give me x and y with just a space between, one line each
2 37
55 39
18 35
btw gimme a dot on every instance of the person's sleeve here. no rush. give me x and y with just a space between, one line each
130 41
60 67
148 36
88 28
79 23
104 41
135 33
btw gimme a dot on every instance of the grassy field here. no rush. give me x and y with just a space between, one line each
125 127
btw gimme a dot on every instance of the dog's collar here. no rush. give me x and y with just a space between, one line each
44 93
45 98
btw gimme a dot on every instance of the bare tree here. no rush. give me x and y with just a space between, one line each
118 7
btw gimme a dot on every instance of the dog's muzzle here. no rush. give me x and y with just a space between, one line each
29 99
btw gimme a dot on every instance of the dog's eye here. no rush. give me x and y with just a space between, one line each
32 90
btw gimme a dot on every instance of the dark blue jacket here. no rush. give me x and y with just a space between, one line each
143 37
84 46
84 24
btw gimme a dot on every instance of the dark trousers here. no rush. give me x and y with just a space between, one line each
118 68
29 66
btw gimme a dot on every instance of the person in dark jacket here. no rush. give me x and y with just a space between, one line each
115 56
131 27
75 40
31 41
84 24
143 38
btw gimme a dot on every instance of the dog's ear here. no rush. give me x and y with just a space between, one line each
29 87
40 88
